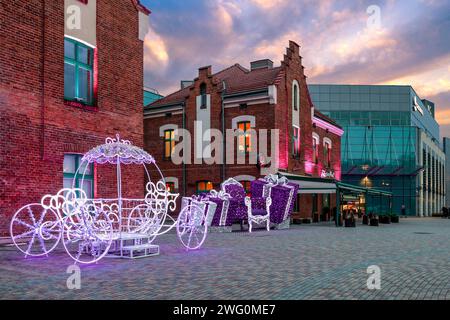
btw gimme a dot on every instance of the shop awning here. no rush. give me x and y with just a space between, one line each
358 189
311 184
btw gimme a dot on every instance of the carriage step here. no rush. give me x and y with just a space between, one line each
141 250
130 236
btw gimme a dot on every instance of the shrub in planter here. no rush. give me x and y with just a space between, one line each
394 218
385 219
374 222
350 223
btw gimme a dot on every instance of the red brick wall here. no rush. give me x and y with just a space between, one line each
335 153
267 117
36 129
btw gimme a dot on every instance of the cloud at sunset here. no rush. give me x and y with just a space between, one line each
412 45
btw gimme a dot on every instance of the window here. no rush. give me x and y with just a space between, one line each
203 104
78 72
169 143
244 138
327 153
204 187
315 146
170 186
72 162
296 142
247 187
326 200
295 96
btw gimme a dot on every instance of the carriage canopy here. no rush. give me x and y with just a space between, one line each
117 150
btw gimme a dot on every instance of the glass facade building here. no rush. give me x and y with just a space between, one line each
391 142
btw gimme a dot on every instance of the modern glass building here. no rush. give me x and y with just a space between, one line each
391 142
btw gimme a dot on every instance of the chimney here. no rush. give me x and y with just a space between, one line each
186 83
204 72
261 64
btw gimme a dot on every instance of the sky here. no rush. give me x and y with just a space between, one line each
342 42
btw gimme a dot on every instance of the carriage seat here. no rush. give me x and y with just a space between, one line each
258 215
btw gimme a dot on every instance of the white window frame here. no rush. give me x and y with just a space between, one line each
295 113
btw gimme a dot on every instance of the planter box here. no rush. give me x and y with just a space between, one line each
385 219
306 220
374 222
349 223
296 221
395 219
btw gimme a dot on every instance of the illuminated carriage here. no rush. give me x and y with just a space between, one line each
91 229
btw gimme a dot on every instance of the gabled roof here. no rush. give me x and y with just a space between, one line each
174 98
237 79
253 80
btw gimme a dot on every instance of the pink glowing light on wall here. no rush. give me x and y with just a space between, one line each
284 153
309 167
95 69
328 126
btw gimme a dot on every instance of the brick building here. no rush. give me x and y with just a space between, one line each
71 74
264 97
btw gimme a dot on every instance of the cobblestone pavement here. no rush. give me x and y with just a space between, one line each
304 262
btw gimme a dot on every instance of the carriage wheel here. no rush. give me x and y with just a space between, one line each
88 240
35 230
191 227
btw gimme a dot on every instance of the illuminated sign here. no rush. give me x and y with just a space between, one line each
416 106
327 174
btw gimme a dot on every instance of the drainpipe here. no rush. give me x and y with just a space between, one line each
224 89
184 163
43 80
